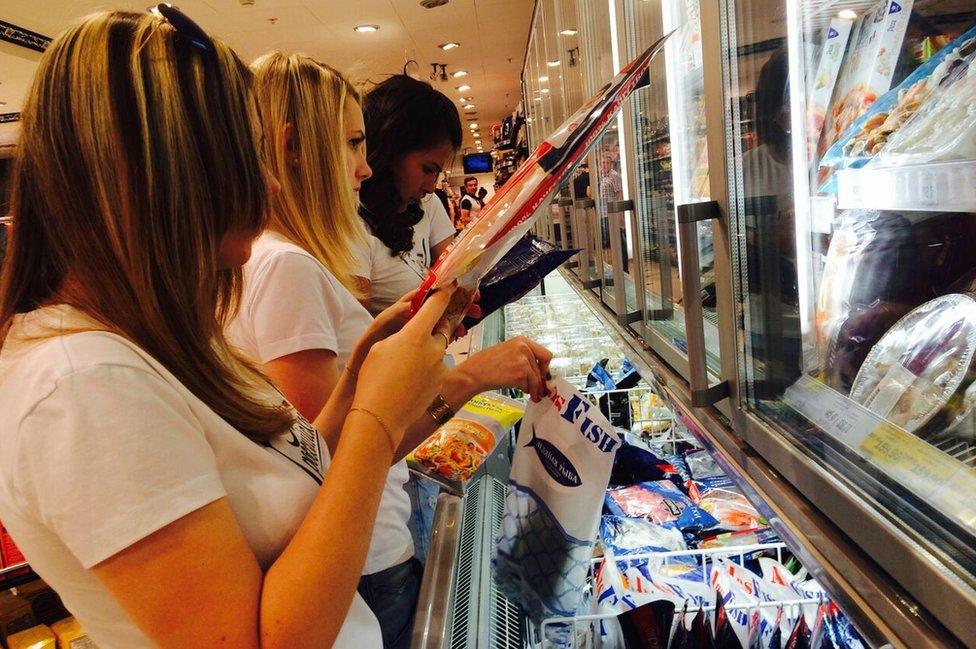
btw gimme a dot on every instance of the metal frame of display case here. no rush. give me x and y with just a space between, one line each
893 585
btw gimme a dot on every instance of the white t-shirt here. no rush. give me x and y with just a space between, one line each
292 303
100 446
393 277
470 203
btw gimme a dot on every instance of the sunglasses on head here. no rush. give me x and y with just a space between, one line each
184 26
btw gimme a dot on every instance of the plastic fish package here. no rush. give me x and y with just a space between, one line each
659 502
890 118
509 213
625 536
728 505
638 461
518 272
459 447
622 585
559 474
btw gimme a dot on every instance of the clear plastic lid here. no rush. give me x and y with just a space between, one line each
914 372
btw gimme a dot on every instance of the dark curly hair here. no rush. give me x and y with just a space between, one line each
402 115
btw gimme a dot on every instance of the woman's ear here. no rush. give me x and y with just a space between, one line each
289 142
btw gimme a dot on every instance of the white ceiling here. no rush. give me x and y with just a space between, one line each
492 34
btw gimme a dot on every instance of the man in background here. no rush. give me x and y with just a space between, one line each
470 203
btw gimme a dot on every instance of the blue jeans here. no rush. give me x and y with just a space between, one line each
392 595
423 501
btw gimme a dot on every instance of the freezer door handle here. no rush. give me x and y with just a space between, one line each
689 215
622 259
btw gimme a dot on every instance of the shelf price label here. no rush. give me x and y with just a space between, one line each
926 471
943 481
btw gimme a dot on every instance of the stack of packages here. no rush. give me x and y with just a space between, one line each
678 502
33 617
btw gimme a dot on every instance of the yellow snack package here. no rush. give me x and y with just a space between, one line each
459 447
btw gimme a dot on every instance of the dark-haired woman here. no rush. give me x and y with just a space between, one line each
412 133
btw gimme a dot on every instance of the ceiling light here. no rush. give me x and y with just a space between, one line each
478 142
366 28
473 125
459 73
544 90
847 14
538 98
469 107
568 32
465 100
449 46
543 79
553 64
463 88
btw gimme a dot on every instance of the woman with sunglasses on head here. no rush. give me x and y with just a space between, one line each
150 474
300 320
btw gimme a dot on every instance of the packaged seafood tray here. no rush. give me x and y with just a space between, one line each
920 376
942 186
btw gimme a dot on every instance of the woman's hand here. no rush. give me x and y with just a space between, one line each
392 319
517 363
403 373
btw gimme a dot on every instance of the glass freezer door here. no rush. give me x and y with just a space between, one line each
671 173
853 190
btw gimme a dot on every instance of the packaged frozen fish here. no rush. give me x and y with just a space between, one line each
559 474
626 536
831 55
637 461
621 586
459 447
647 626
879 266
870 134
509 213
661 503
868 67
518 272
738 539
728 505
702 465
725 633
917 375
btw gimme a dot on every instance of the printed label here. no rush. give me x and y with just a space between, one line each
554 462
896 381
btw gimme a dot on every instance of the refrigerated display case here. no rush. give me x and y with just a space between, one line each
852 264
812 161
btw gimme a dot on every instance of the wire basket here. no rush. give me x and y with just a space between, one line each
585 632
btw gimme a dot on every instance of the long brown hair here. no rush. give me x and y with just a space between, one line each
137 156
316 208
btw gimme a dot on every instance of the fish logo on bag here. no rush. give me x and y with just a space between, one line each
554 462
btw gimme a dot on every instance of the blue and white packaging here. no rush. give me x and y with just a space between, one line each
560 470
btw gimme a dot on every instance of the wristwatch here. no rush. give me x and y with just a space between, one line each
440 410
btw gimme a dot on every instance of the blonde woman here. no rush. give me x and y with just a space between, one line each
299 316
154 478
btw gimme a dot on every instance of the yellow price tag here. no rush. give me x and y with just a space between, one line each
947 483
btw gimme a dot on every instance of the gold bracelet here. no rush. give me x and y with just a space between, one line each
386 429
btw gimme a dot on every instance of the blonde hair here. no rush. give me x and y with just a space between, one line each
316 208
137 156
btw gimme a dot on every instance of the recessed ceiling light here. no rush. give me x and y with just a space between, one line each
538 98
847 14
473 125
469 107
568 32
366 28
464 100
544 90
478 142
553 64
543 79
459 73
449 46
463 88
3 103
